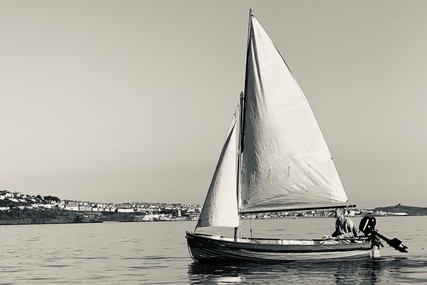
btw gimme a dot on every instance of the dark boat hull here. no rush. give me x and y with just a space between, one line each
206 248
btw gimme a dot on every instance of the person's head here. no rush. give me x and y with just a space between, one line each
339 213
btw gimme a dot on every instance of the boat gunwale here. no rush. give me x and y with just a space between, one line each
211 241
275 239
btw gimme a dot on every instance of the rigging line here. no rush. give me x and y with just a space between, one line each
242 233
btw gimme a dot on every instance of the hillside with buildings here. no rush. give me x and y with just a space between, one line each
18 208
401 210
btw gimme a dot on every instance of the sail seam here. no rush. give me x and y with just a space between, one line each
304 154
271 61
291 108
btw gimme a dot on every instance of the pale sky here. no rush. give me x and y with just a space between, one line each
120 101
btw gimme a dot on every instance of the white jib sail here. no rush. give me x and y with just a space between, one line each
220 207
286 163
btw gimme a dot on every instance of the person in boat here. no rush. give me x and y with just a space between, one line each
344 226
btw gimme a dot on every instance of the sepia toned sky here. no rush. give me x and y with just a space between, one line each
120 101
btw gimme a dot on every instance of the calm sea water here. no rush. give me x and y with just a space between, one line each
156 253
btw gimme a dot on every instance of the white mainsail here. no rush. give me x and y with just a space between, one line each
220 207
286 163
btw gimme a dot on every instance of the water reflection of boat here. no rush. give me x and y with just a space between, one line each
359 271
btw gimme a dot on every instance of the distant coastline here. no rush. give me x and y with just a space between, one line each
17 208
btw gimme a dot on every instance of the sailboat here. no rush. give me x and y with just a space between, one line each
274 159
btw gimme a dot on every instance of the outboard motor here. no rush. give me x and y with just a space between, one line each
367 226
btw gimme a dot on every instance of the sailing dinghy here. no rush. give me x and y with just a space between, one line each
274 159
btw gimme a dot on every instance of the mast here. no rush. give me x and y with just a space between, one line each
243 99
241 123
